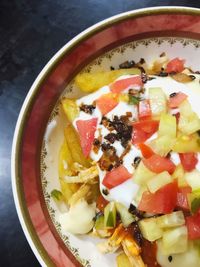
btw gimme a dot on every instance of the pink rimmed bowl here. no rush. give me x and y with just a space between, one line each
141 33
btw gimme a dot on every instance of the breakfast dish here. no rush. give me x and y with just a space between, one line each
129 165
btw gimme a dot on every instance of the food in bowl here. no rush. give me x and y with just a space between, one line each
129 166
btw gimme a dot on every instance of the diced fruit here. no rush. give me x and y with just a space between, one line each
142 174
193 226
146 151
188 160
139 194
150 229
110 215
70 108
120 85
175 240
99 223
182 197
90 82
65 160
189 122
86 130
175 101
167 126
179 175
144 109
143 130
68 189
123 261
159 181
158 101
116 176
162 145
101 203
193 179
173 219
175 65
106 103
162 201
194 200
159 164
187 143
73 143
126 217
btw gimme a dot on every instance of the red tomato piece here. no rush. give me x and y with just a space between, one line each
144 109
116 176
101 203
143 130
176 100
175 65
193 226
159 164
106 103
86 130
121 85
182 200
147 152
162 201
188 160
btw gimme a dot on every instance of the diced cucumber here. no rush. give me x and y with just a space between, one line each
178 174
173 219
159 181
158 101
193 179
110 215
141 190
126 217
187 143
123 261
162 145
194 200
142 174
167 125
150 229
99 223
175 240
70 108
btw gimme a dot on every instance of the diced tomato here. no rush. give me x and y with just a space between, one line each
193 226
116 176
147 152
106 103
86 130
121 85
143 130
144 109
182 200
159 164
101 203
188 160
175 65
176 100
162 201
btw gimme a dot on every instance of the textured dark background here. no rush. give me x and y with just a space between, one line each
30 33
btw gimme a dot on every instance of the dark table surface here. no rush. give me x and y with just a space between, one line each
30 34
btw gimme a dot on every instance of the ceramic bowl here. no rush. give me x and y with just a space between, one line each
142 33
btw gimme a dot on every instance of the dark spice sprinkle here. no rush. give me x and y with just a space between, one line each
112 68
106 147
111 137
96 142
162 54
192 77
127 64
163 74
136 161
173 94
142 61
105 191
110 167
137 234
144 77
87 108
170 258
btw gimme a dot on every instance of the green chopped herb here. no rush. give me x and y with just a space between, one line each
134 100
195 205
56 194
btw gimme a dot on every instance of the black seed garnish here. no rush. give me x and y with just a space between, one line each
163 74
105 191
170 258
96 142
192 77
87 108
162 54
110 167
136 161
142 61
173 95
111 137
127 64
106 147
112 68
